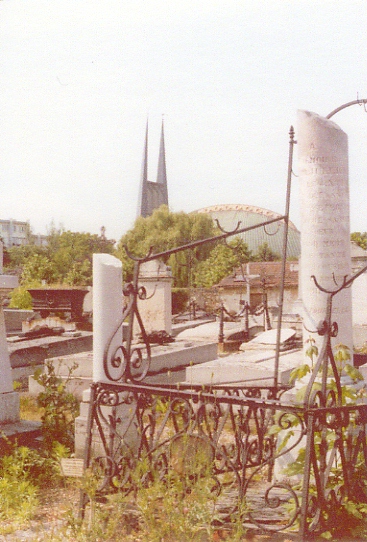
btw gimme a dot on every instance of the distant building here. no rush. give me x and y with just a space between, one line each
17 233
153 194
230 215
255 280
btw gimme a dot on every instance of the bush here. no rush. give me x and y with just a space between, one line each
180 299
20 298
60 407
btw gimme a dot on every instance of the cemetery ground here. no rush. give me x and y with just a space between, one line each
38 504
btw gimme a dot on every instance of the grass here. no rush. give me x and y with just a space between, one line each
182 507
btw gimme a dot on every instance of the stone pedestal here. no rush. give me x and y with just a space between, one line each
325 227
156 311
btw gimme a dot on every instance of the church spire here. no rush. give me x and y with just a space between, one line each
143 196
162 173
153 194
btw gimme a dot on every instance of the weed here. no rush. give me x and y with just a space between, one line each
60 407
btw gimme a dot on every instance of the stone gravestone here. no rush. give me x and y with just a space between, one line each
9 399
325 236
156 310
325 227
10 424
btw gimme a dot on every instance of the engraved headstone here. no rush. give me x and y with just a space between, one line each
325 227
156 309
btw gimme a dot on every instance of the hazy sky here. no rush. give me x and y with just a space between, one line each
78 80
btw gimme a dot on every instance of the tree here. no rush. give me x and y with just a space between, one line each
223 259
71 250
18 255
66 259
37 270
162 231
265 254
360 239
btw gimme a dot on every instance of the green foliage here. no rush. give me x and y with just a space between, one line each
360 239
20 298
18 255
265 254
24 472
162 231
67 259
170 512
347 518
18 500
72 253
223 259
60 407
38 269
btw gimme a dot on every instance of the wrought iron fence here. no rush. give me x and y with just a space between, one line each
237 437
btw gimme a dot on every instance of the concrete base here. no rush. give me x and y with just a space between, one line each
9 408
123 413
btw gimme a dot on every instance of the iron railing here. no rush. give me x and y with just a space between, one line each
238 436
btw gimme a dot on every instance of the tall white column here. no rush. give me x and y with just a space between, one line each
325 227
107 310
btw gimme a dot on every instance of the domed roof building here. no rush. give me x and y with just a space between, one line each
230 215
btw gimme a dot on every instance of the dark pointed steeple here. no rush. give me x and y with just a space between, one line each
143 195
153 194
162 174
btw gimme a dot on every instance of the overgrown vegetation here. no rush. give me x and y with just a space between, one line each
59 406
25 471
180 506
347 517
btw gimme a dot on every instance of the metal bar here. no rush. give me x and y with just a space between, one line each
88 447
354 102
306 478
292 142
200 242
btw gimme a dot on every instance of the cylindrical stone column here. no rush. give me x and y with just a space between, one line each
325 226
107 310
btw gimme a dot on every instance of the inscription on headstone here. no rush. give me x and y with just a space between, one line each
325 227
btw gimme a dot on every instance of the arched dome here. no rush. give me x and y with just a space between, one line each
230 215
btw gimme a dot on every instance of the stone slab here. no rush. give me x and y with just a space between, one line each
208 331
270 336
164 358
22 432
33 352
254 369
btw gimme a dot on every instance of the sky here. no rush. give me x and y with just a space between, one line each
79 79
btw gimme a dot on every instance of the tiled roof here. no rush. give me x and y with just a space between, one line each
255 272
